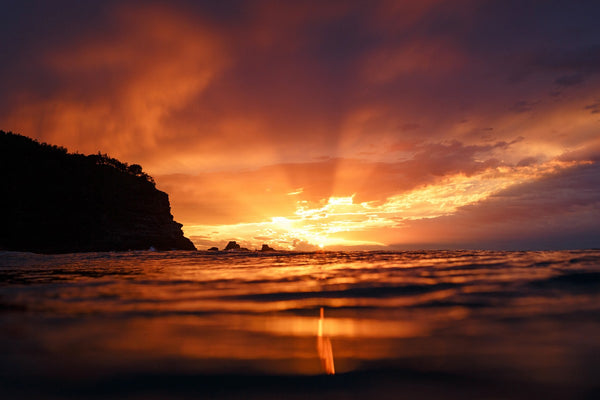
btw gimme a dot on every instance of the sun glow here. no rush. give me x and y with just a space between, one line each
331 221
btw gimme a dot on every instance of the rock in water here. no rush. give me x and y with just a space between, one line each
57 202
232 246
265 247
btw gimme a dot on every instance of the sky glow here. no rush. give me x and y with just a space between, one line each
341 123
325 225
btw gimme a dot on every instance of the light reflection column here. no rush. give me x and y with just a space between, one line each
324 348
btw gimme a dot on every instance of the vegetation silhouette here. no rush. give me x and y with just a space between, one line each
56 202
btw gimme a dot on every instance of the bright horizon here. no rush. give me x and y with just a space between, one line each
351 124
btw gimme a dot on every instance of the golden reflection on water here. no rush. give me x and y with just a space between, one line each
258 313
324 347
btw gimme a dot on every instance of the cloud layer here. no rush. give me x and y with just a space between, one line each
250 112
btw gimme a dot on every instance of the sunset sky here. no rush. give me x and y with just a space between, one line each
308 124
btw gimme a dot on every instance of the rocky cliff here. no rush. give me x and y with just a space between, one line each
56 202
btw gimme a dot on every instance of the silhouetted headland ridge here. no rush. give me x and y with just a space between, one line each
58 202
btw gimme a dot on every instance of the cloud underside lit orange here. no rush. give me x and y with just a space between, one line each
340 221
307 124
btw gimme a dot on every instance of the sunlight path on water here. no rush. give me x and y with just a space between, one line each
215 313
324 347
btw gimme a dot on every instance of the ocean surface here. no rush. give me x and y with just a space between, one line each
349 325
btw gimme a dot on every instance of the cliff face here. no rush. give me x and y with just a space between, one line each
56 202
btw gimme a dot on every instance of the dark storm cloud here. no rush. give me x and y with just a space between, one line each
522 106
593 108
570 80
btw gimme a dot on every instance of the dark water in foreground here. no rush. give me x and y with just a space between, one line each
435 324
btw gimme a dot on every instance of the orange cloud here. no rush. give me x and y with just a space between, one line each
118 88
322 225
262 118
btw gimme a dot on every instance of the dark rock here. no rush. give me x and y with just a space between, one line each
57 202
232 246
213 249
266 247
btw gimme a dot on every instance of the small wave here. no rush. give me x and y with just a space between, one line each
372 291
576 281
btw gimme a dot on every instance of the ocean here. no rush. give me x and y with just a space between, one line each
341 325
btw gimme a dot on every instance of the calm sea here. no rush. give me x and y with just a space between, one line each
432 324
